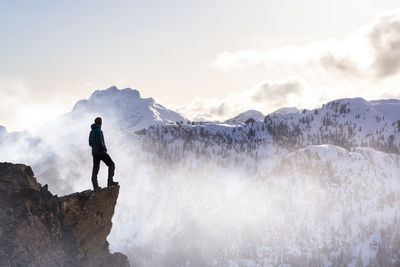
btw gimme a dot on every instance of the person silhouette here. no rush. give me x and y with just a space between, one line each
99 153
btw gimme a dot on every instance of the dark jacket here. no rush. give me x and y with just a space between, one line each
96 141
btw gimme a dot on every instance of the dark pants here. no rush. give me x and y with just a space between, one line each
96 166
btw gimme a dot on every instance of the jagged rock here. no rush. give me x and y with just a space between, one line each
39 229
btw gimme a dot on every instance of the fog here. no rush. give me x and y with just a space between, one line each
172 214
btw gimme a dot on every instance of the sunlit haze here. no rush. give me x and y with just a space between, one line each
241 133
198 58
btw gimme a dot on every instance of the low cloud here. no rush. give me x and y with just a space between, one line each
267 96
22 107
373 52
364 64
271 95
384 40
342 65
276 93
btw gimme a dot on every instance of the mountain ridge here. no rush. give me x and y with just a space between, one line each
246 115
126 108
325 179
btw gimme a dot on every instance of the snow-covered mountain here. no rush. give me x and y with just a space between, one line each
65 139
246 116
336 206
323 185
314 187
126 108
287 110
346 123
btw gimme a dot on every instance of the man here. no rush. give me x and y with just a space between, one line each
99 152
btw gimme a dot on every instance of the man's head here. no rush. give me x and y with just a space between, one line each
98 121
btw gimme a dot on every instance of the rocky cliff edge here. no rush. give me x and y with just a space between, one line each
40 229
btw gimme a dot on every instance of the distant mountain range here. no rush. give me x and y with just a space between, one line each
346 123
126 109
329 177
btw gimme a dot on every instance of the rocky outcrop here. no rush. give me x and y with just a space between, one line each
40 229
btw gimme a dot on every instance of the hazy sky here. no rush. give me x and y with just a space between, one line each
206 59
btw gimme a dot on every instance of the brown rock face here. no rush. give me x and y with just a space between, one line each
39 229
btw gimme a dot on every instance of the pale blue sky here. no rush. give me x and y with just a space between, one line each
54 53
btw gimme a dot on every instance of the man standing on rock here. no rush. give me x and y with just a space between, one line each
99 152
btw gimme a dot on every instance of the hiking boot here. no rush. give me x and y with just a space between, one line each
111 183
96 187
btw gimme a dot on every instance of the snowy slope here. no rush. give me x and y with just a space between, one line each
345 202
345 122
320 187
245 116
123 112
126 108
302 188
320 205
287 110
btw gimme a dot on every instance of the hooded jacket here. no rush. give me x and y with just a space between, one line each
96 140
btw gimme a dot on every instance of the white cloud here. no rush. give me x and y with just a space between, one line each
277 93
21 107
266 97
271 95
363 64
373 53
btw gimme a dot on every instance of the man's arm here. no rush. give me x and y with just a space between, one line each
102 143
90 139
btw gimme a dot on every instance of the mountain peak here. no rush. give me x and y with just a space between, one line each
286 110
358 102
113 90
387 108
244 116
125 108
